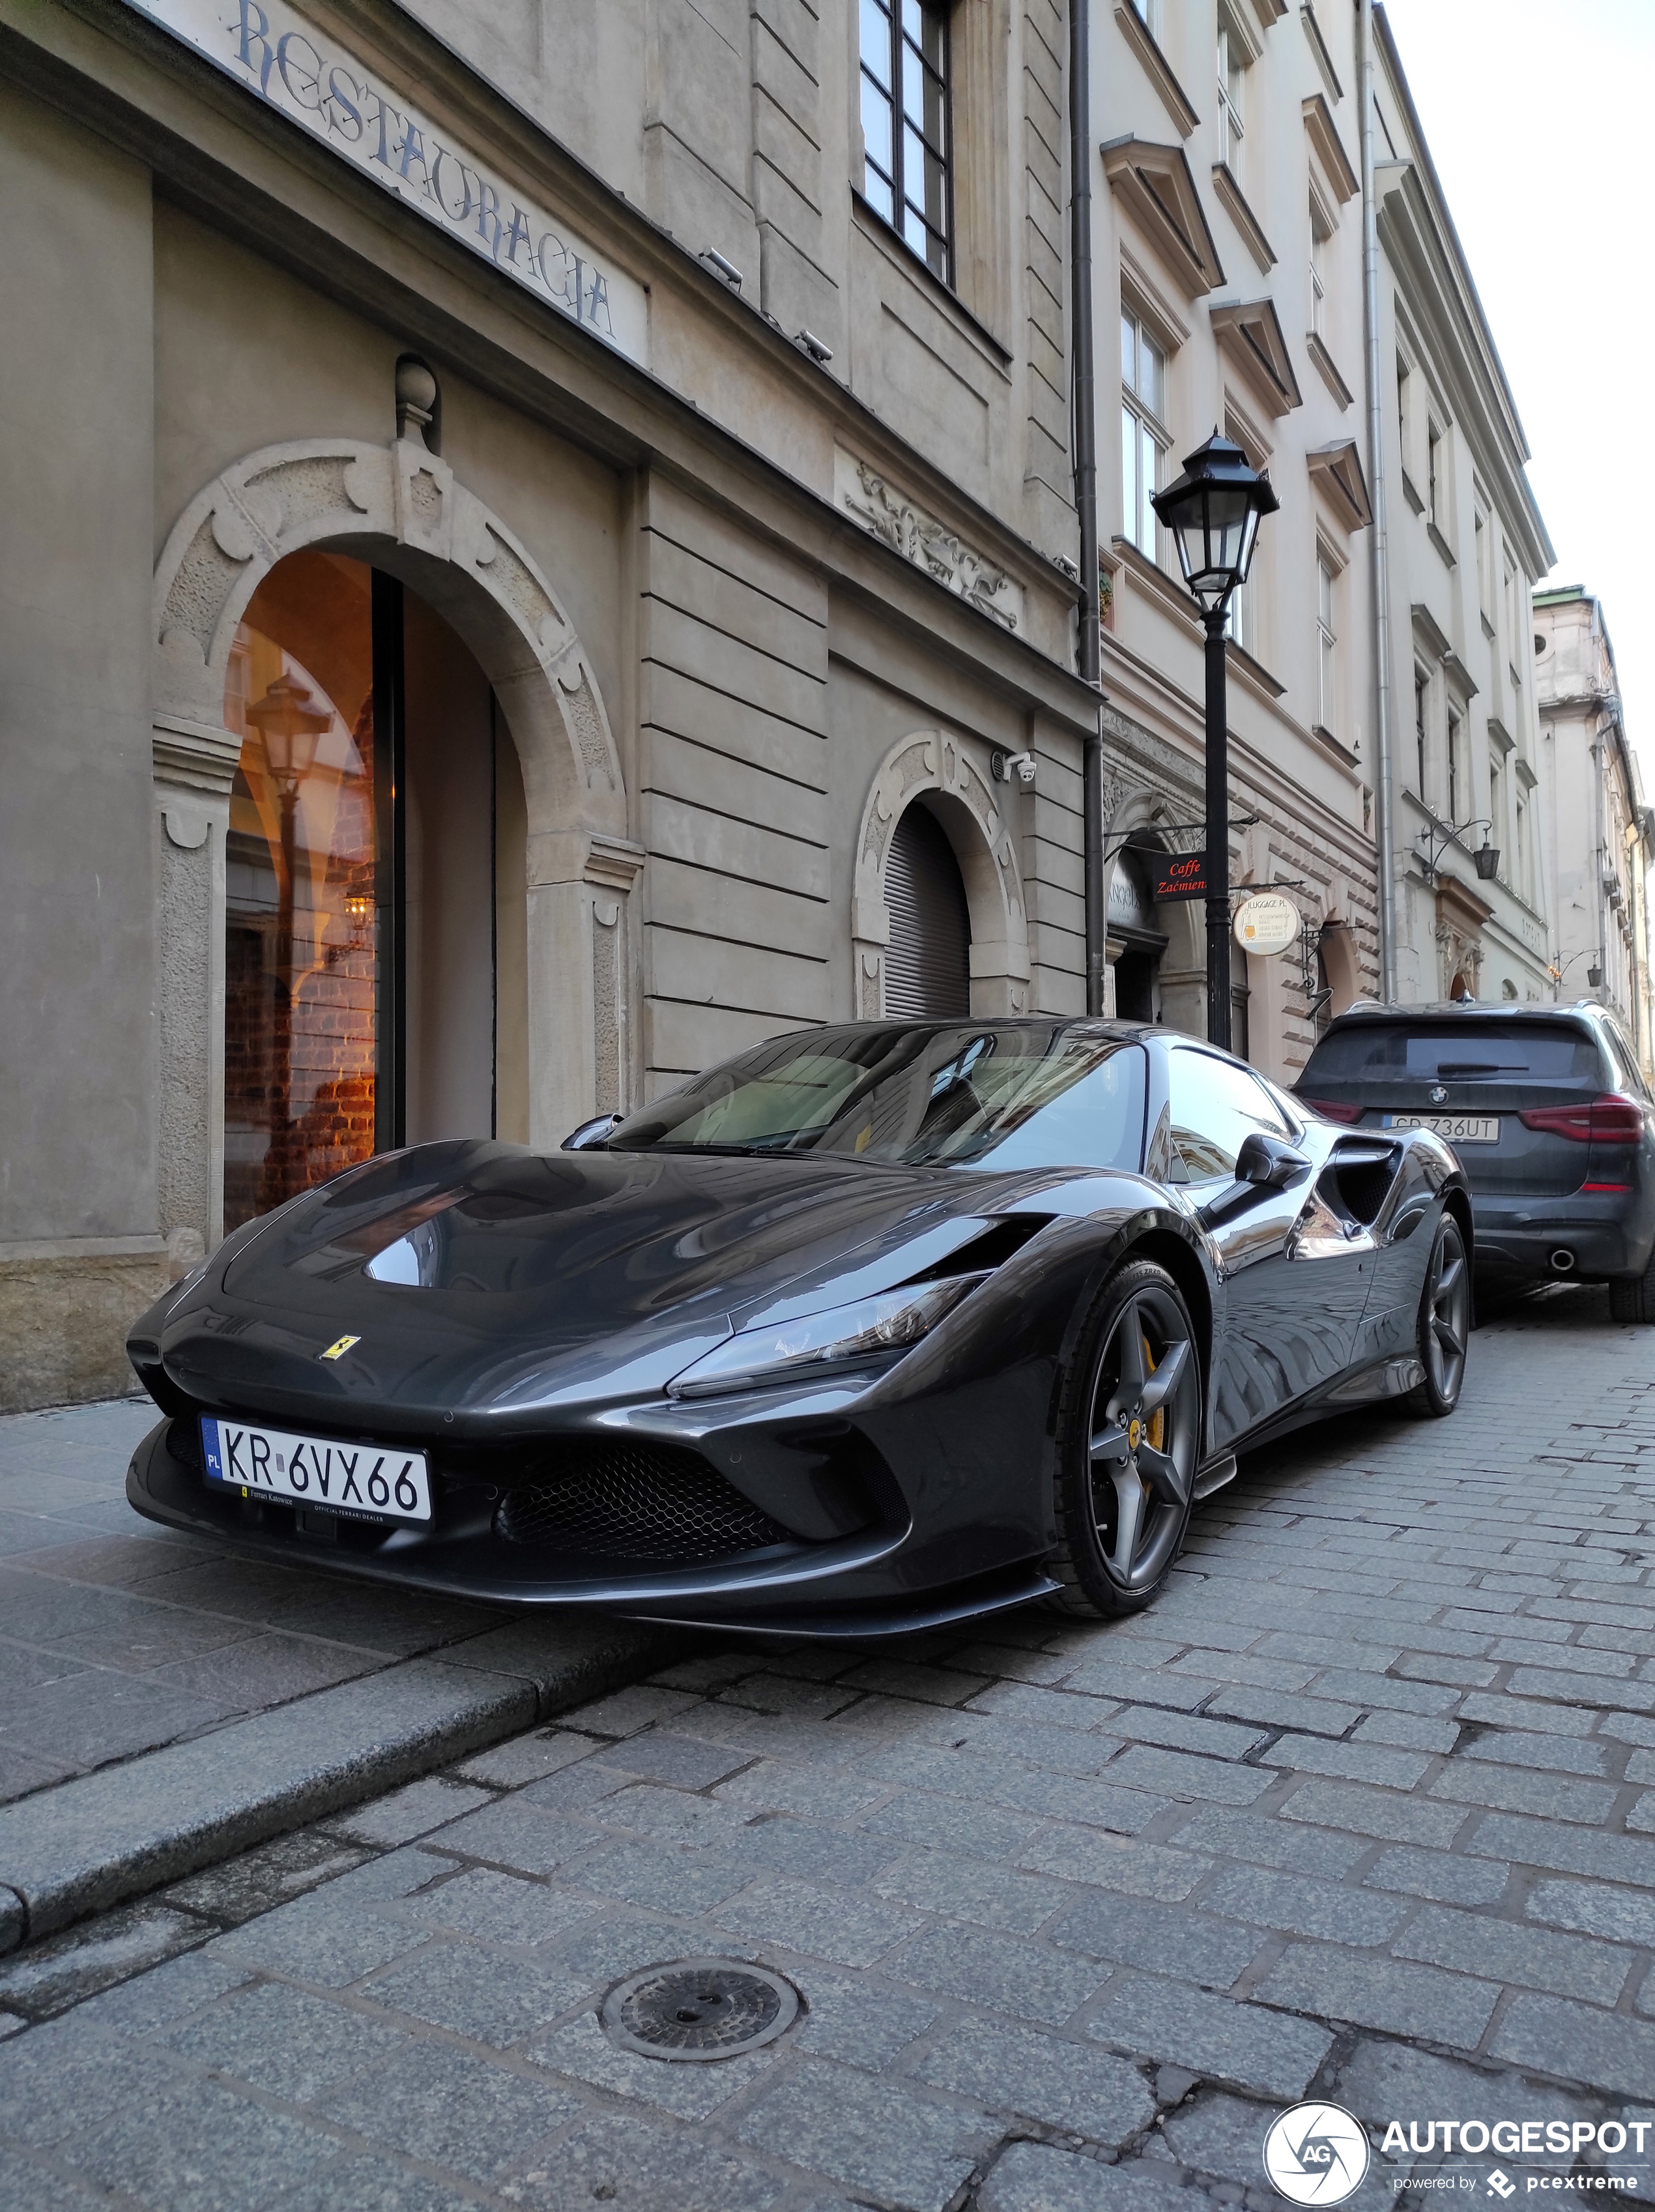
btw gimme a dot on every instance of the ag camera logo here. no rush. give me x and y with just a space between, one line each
1317 2154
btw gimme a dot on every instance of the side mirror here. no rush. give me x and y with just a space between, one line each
594 1131
1270 1161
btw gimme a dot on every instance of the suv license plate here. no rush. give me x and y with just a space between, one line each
364 1482
1456 1128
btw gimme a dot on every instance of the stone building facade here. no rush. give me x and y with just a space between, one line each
1228 284
1599 835
1463 544
508 510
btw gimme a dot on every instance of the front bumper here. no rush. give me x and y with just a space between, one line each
862 1583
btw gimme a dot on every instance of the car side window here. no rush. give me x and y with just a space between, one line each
1216 1106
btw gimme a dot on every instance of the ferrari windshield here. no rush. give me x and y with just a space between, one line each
969 1094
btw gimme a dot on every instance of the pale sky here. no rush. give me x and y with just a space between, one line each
1537 122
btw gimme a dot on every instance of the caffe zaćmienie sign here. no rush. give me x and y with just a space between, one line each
320 85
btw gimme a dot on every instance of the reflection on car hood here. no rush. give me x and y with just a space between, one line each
478 1271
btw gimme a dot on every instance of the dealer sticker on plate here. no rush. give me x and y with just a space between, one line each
1457 1128
366 1482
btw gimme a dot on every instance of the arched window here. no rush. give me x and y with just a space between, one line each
927 961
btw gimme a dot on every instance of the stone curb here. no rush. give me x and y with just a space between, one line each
89 1843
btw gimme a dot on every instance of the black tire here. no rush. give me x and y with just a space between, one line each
1445 1323
1125 1469
1633 1298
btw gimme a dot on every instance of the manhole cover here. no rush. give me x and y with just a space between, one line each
699 2009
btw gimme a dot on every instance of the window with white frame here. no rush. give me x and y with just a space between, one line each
1434 490
1327 644
1321 229
1239 623
1422 704
1485 594
1232 72
1143 440
1241 617
1456 789
1522 849
1496 805
906 124
1514 623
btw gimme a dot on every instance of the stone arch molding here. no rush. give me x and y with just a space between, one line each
397 500
400 506
953 772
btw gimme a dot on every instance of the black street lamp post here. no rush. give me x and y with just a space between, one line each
1213 511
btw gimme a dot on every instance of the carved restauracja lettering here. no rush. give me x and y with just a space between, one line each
289 63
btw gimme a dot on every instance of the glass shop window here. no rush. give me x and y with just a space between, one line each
302 869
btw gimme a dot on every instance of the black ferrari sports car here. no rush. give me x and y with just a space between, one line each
869 1328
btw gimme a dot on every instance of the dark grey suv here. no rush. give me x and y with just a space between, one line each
1551 1118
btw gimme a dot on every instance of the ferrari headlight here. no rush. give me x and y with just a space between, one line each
890 1321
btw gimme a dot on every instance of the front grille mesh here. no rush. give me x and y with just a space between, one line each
623 1500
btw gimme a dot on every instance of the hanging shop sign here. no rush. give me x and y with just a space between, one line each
306 75
1267 923
1180 876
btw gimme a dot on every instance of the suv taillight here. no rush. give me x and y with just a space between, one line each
1334 1109
1608 1120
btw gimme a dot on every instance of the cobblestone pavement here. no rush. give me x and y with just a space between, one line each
117 1637
1364 1807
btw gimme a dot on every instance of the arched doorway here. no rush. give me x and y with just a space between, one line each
375 976
398 511
1135 944
928 959
954 887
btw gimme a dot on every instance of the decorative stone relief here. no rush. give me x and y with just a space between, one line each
515 584
591 739
954 768
908 529
606 1004
303 492
425 498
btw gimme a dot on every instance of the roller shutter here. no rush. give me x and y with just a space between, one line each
928 961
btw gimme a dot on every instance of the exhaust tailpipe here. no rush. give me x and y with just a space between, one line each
1562 1261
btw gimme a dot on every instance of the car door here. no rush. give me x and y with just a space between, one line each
1293 1282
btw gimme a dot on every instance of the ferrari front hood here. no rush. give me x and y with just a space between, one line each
479 1275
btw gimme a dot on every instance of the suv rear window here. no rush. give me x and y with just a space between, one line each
1454 1052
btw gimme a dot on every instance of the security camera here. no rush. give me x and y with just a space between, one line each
1006 765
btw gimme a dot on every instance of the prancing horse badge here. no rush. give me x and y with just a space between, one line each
339 1348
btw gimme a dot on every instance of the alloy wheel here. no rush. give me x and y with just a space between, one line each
1447 1317
1144 1428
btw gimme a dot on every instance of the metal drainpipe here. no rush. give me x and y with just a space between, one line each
1384 820
1086 476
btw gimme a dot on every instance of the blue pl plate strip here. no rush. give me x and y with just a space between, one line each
214 1458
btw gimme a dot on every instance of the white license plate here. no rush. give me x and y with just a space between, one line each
365 1482
1457 1128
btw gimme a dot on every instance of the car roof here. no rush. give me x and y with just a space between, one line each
1461 1010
